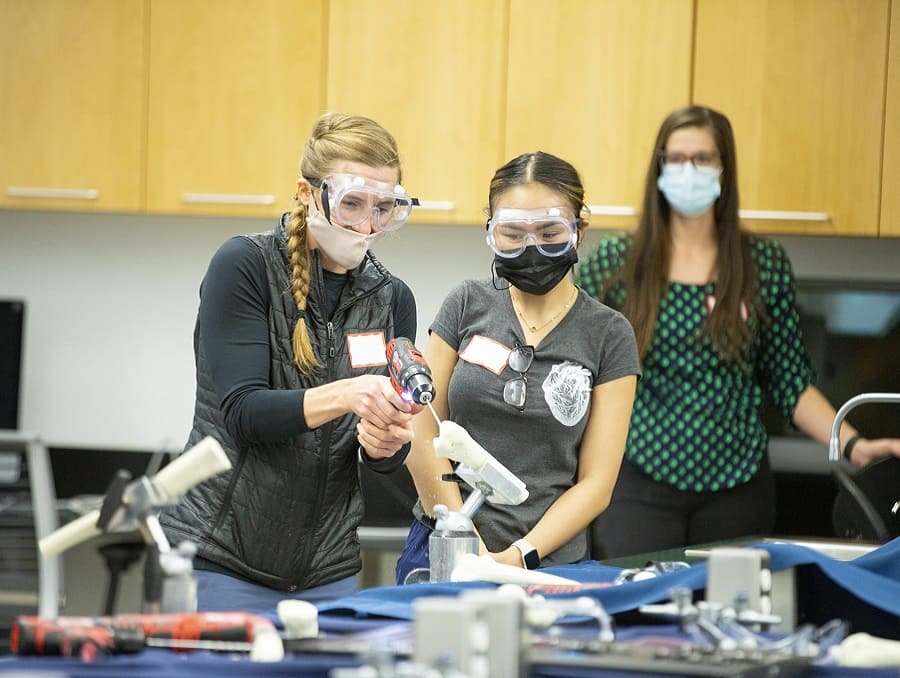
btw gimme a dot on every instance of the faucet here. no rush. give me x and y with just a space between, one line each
834 443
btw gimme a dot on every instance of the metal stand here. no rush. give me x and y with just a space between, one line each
169 583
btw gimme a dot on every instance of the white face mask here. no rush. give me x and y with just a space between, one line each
689 190
344 246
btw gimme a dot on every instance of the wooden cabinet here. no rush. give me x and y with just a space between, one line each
803 82
234 89
180 106
890 182
72 104
590 81
433 73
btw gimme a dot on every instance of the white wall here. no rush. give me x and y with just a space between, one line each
111 301
110 308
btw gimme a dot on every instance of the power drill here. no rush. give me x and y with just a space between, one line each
410 374
125 633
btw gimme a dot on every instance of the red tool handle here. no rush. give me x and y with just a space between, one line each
31 635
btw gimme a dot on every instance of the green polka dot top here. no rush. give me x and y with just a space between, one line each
697 419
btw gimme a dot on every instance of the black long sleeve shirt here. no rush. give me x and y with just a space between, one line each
234 327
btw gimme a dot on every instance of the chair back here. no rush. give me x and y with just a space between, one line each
867 506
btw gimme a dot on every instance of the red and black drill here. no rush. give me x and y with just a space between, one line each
410 374
125 633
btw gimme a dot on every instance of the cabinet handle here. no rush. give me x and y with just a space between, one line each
784 215
41 192
612 210
229 198
625 211
437 205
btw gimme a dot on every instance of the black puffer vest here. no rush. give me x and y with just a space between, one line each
286 514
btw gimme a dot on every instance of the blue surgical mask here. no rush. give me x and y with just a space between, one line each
689 190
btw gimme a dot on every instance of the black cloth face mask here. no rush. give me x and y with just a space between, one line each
533 272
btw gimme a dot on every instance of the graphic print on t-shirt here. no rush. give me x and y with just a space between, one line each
567 391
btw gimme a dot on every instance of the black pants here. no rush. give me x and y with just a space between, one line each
645 515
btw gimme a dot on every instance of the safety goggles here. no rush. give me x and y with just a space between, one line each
514 390
553 230
349 200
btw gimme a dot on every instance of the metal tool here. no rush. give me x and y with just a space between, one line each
454 533
169 582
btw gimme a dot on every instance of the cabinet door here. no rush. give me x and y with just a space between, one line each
890 183
803 83
234 89
433 74
590 81
72 108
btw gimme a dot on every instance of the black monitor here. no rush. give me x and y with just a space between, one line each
12 326
852 331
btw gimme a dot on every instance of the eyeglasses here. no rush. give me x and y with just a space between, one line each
554 231
700 160
352 199
520 359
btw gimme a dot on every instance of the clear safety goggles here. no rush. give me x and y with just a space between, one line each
349 200
553 230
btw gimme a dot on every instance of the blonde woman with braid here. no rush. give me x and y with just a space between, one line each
291 379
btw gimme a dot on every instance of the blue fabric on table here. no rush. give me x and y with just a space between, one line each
154 663
864 591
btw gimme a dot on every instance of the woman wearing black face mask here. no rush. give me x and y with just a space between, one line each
538 373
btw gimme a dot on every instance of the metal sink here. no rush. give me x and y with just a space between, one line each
839 550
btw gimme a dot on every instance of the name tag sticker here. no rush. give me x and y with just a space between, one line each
486 352
366 349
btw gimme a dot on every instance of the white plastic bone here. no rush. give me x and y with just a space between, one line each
471 567
203 460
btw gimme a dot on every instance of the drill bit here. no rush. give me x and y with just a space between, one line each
426 400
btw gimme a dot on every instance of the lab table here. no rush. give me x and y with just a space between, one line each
864 592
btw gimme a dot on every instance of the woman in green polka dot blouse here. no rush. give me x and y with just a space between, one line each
713 309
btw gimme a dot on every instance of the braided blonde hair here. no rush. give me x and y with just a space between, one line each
335 137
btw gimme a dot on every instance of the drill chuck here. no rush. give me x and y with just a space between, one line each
420 388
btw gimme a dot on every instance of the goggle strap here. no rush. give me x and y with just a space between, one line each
325 208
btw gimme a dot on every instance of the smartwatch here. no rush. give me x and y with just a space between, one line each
530 558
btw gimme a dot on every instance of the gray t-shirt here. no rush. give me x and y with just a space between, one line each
592 344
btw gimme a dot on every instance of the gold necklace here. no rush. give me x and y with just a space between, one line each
537 328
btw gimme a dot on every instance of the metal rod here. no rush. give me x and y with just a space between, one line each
434 414
215 645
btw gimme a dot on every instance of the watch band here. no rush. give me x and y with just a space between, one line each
530 557
848 448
